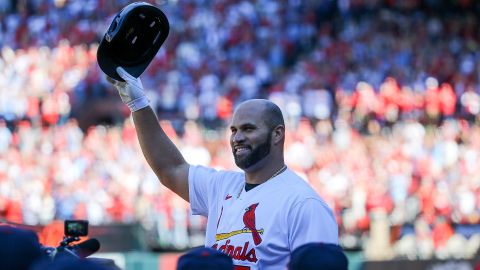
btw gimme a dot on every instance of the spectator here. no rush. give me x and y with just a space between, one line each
315 256
204 259
19 248
72 263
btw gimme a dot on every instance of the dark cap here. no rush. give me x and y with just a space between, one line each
315 256
69 262
133 39
205 259
19 248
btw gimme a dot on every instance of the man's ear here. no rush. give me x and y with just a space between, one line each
278 134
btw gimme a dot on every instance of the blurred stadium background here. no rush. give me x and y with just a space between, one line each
382 101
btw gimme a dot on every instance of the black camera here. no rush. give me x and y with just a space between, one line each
68 247
75 228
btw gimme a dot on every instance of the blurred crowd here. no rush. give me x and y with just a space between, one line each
422 180
381 99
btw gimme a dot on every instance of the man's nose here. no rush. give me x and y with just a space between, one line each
238 137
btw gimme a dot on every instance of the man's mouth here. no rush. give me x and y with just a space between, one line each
240 150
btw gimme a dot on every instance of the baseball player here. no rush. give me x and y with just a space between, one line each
258 216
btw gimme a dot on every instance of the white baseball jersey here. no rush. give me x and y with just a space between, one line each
259 228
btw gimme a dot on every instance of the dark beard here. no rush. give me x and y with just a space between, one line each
257 154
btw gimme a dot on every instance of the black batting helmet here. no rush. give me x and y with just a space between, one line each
132 40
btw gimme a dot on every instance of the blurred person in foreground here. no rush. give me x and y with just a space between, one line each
258 216
204 259
71 263
19 248
318 256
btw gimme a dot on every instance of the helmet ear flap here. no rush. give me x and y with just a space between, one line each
112 29
114 24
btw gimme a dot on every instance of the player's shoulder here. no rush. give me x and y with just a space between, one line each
298 192
218 174
296 186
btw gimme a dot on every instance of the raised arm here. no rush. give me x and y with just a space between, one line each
161 154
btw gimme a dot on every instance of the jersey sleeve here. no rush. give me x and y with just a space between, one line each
201 185
311 221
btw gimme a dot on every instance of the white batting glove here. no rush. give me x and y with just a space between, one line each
131 91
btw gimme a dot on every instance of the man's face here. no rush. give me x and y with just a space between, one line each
250 138
245 159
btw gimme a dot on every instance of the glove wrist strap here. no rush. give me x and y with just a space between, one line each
138 103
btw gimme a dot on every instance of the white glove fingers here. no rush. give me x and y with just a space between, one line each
131 91
125 75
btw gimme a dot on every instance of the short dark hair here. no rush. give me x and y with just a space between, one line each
273 115
19 248
324 256
204 258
